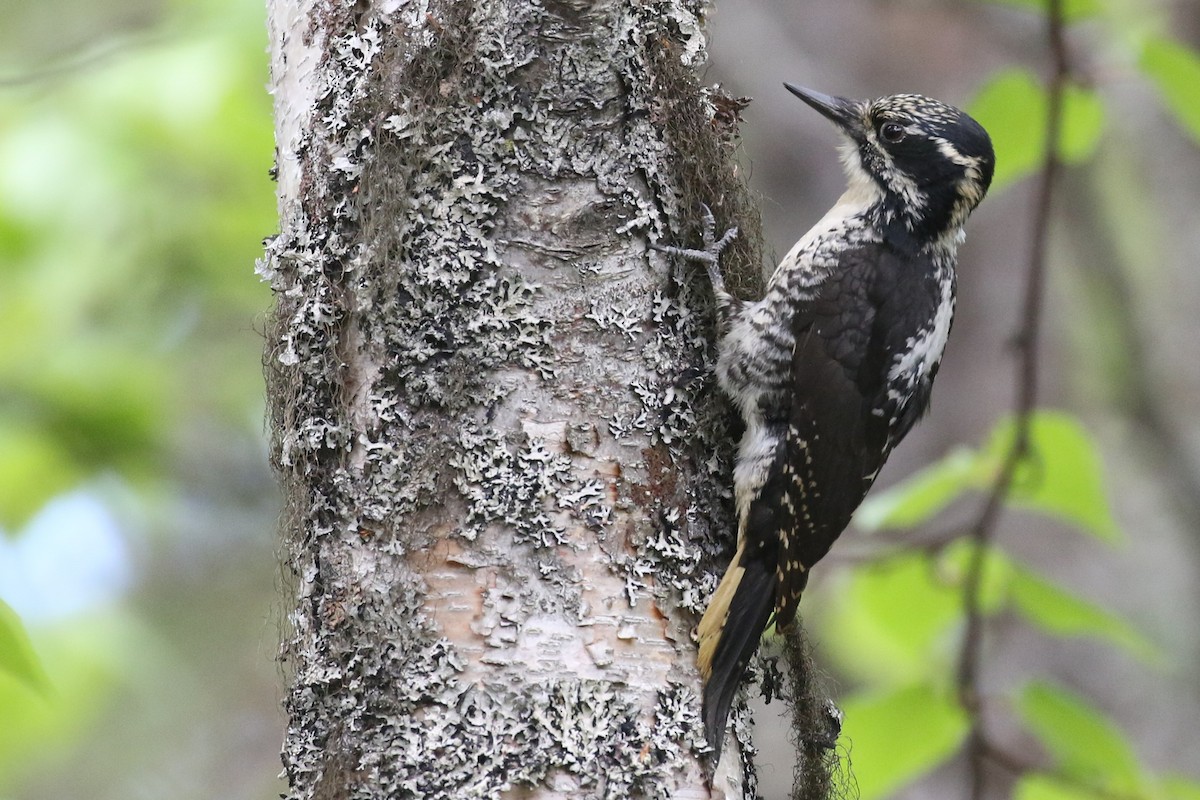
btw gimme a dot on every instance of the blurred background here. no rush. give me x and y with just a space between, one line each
137 507
138 512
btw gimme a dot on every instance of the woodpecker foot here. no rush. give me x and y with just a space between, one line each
710 254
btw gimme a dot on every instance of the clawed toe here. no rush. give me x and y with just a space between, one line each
713 247
710 255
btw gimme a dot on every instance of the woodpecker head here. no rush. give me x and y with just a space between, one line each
924 163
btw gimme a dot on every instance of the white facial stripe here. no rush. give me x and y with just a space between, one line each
951 153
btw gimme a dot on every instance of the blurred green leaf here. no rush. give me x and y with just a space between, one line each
1036 786
34 467
1178 787
1061 613
103 402
81 408
1082 124
899 736
921 497
1073 10
891 620
1012 106
17 656
1062 475
86 659
1175 69
1084 744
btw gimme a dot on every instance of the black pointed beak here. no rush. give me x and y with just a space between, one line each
843 113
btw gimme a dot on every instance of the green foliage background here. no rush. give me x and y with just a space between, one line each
135 140
135 143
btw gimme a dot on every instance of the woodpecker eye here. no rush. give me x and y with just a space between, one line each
891 132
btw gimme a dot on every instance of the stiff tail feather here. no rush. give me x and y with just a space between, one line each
729 634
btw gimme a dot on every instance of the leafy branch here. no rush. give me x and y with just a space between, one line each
979 749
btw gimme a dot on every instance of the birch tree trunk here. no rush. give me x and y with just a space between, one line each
506 465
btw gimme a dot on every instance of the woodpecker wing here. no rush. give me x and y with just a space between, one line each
850 400
847 410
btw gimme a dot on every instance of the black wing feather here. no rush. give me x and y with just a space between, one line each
841 421
834 427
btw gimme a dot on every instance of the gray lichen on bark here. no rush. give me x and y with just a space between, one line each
507 470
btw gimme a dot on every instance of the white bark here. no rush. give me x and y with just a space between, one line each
492 412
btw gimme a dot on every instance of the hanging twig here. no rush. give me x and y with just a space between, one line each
1025 343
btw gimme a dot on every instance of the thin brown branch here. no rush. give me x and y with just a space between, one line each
1019 765
1025 343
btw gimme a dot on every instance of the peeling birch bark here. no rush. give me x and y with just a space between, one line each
492 409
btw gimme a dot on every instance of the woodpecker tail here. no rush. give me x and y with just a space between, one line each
729 634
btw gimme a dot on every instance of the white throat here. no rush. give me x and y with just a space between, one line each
850 211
